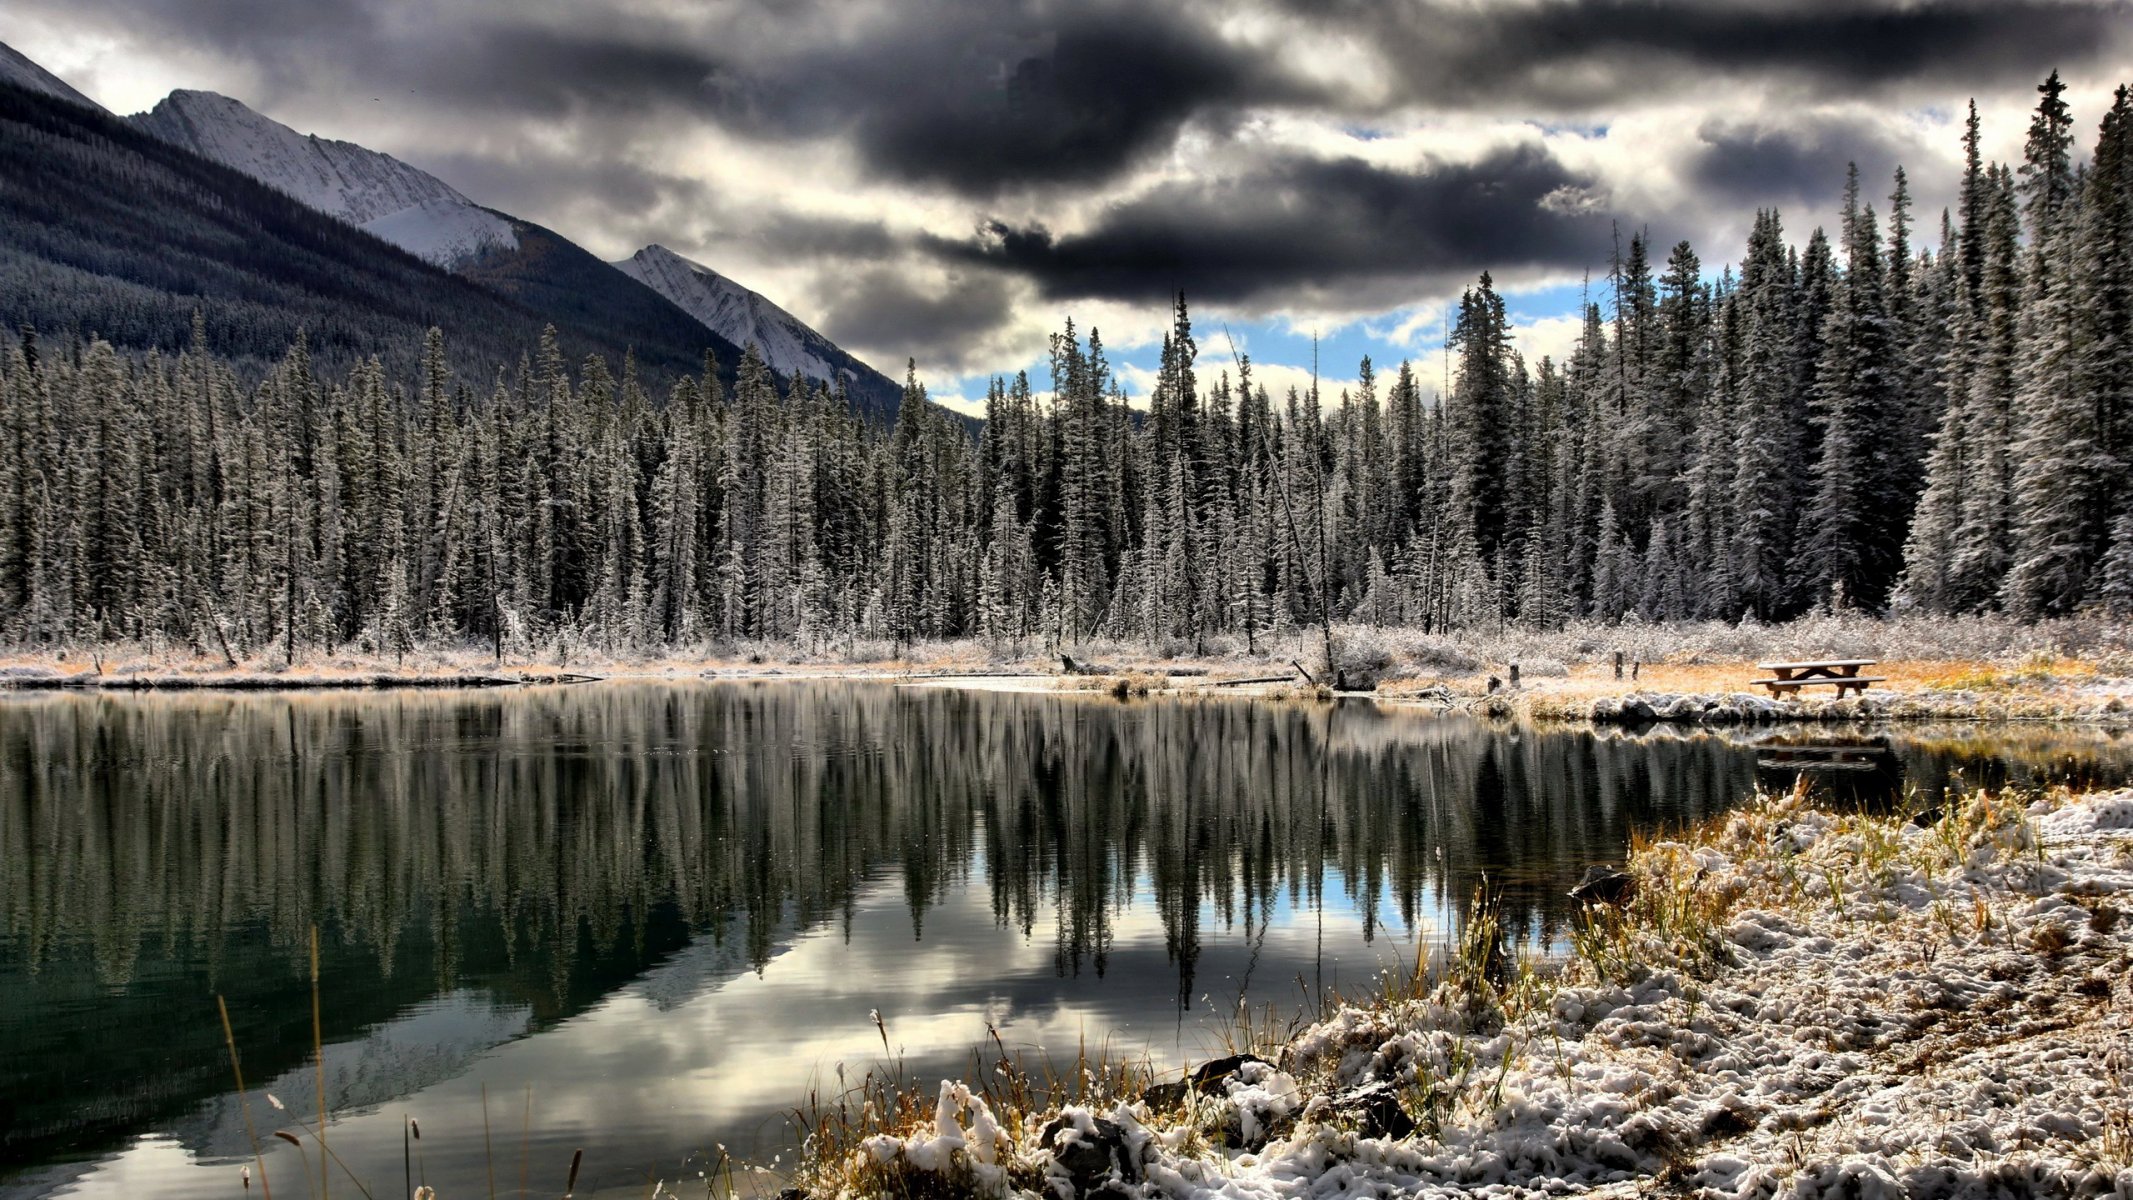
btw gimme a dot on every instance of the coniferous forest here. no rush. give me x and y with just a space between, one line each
1885 417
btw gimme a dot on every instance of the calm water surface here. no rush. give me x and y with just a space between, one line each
645 920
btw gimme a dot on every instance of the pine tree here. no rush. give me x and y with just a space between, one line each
1771 426
1484 421
1854 523
2059 511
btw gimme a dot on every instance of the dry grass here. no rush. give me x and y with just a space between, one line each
844 1134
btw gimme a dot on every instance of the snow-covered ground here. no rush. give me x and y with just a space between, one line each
1795 1003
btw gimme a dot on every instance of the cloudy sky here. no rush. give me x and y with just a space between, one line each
948 180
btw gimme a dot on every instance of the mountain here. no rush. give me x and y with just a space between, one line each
378 193
20 71
742 316
425 216
106 229
430 219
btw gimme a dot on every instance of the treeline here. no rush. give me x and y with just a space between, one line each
1854 422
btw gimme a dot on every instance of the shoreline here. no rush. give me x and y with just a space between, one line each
1693 695
1792 1000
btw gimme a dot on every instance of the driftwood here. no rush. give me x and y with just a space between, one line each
982 673
1068 666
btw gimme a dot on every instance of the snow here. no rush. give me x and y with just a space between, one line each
17 69
1871 1008
936 1151
403 205
444 232
733 312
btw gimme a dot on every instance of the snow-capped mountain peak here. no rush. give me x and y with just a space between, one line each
734 312
401 204
20 71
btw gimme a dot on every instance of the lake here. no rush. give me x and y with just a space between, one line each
645 920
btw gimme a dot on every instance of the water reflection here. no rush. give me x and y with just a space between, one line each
664 910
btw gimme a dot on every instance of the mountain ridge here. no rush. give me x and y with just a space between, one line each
743 315
373 191
669 306
109 231
427 217
17 68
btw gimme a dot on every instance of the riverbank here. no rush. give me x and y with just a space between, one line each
1938 670
1791 1001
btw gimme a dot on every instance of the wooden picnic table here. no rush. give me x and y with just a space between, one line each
1840 673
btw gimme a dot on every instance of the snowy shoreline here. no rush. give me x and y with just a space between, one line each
1795 1002
1546 701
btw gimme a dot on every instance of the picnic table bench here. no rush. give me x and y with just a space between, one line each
1840 673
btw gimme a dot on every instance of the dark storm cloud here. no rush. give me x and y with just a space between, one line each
474 58
793 235
1591 53
1741 165
561 179
1320 225
883 307
542 72
1002 102
981 96
1023 95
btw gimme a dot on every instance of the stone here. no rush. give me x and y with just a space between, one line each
1378 1112
1209 1078
1605 885
1096 1160
1160 1096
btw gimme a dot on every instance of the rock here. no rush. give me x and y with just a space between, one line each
1605 885
1378 1112
1160 1096
1209 1078
1095 1160
1635 710
1355 679
1497 707
1686 709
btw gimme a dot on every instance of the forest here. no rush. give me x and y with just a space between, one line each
1863 421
